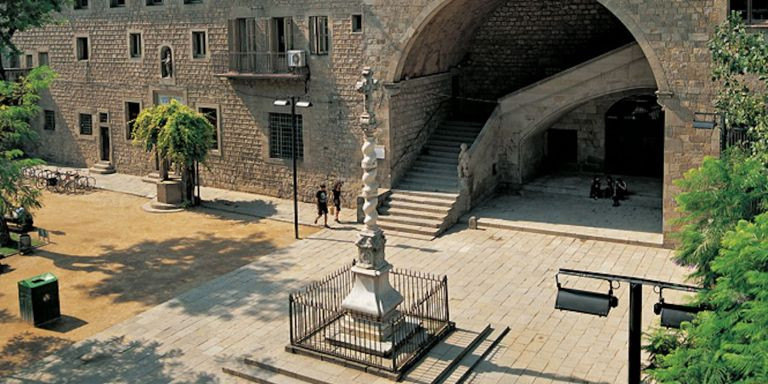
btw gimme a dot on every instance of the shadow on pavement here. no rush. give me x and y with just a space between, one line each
114 360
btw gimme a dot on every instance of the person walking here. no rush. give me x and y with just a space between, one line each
322 205
336 194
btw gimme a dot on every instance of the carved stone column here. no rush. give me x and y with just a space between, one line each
373 301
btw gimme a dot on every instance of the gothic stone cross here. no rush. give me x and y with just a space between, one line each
367 86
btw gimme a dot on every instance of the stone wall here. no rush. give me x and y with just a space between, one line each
421 105
110 78
522 42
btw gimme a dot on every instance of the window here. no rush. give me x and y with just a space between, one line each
281 136
154 2
82 48
134 42
28 61
81 4
13 61
132 111
281 34
318 35
199 49
116 3
86 124
212 114
42 58
49 120
752 11
357 23
193 1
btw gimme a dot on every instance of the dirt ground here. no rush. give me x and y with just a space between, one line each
113 261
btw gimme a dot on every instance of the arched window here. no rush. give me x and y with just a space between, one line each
166 62
753 11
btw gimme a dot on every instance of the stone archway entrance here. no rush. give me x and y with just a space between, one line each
634 137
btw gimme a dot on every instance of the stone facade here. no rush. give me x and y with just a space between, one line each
522 42
402 40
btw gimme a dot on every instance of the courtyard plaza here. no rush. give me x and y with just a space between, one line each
495 276
115 261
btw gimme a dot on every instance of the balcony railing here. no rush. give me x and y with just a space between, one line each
13 74
251 64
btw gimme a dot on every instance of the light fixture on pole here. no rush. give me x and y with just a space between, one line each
294 134
595 303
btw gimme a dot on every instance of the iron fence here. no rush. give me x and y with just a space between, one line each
251 62
13 74
736 136
319 325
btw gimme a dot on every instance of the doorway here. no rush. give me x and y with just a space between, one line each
562 149
105 144
634 137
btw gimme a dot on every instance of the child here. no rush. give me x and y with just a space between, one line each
595 190
337 198
322 205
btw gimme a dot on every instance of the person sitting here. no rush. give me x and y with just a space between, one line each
621 189
595 190
608 191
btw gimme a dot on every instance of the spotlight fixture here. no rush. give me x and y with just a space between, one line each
591 303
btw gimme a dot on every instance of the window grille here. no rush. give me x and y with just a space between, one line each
281 136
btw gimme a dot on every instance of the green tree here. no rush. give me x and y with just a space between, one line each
18 106
14 192
714 198
740 67
728 344
21 15
177 134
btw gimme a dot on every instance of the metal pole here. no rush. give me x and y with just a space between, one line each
635 331
723 134
295 178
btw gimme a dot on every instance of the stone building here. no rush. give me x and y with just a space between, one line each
530 86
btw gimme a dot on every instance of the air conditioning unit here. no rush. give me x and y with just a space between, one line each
297 59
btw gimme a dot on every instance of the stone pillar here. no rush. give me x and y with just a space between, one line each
373 301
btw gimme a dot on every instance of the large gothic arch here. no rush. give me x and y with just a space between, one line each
465 16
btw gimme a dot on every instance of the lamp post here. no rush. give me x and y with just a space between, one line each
294 133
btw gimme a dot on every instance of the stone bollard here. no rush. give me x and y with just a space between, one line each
473 222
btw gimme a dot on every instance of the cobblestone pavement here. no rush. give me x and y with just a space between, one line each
495 276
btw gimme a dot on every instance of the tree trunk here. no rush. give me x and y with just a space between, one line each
5 232
188 180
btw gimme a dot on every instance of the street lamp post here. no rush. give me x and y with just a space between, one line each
294 145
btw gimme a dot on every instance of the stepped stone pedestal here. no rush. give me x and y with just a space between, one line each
102 168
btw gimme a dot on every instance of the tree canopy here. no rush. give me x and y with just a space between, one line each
21 15
176 132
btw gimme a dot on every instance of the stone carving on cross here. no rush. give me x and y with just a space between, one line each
367 86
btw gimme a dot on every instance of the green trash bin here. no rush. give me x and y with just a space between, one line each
39 299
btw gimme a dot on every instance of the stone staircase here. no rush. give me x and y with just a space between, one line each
102 168
421 205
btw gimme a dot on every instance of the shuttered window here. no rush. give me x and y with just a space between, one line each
318 35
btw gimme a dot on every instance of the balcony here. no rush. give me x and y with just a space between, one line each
254 65
13 74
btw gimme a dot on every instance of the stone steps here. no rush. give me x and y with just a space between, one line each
409 231
102 168
410 220
426 195
455 358
254 371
